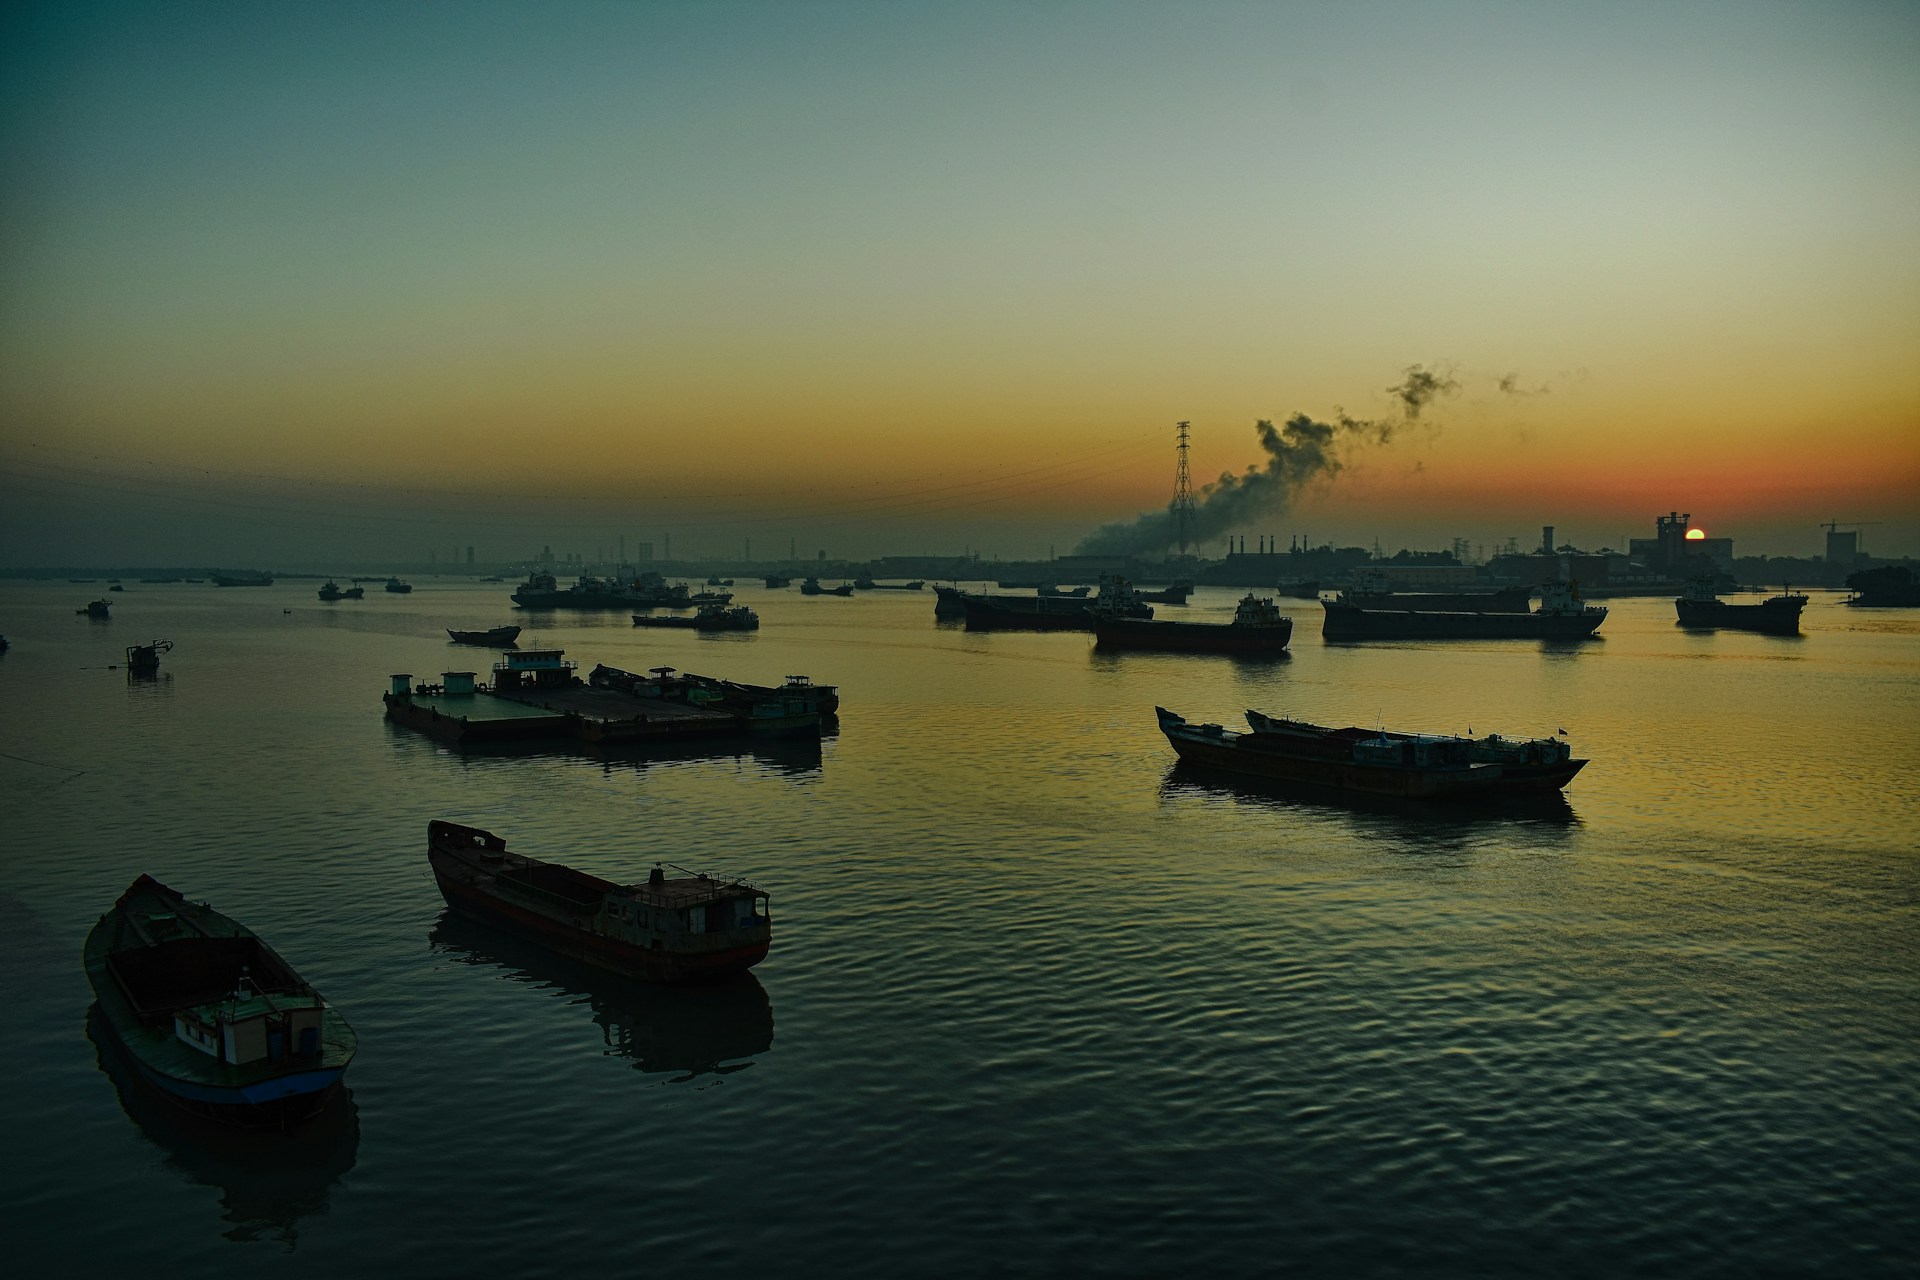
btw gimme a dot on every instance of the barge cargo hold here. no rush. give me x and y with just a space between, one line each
663 929
210 1014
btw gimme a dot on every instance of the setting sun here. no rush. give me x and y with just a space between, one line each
1696 535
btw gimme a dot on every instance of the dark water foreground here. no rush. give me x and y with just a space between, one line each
1038 1002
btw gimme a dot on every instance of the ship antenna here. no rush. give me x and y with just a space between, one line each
1182 494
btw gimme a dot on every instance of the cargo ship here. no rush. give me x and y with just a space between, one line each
1700 608
663 929
1116 598
1561 616
1360 761
210 1014
1370 591
1258 629
332 590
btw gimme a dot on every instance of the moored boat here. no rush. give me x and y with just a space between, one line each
775 581
498 636
718 617
1354 760
812 587
1174 593
239 579
663 929
1561 616
1117 599
1702 608
398 587
96 609
1258 628
1526 764
916 585
332 590
211 1014
1890 586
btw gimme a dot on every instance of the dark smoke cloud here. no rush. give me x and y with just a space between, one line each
1298 452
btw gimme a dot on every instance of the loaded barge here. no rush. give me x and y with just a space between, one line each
536 695
1258 629
664 929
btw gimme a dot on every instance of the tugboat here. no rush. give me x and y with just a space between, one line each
211 1014
663 929
1258 629
1701 608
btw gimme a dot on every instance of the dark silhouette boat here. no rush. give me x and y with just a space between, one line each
210 1014
144 659
96 609
1373 761
239 579
1174 593
775 581
812 587
1891 586
1701 608
1561 616
499 637
648 591
331 590
1258 629
1117 599
662 929
398 587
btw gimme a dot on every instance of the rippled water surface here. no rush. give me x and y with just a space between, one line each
1038 1001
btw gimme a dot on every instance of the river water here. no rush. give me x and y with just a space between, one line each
1038 1002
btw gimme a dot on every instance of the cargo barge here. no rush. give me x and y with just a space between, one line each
1258 629
1701 609
1561 616
663 929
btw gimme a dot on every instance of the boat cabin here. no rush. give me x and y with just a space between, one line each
533 669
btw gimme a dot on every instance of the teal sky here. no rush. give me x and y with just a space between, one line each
859 273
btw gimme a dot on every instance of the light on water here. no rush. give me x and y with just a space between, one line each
1038 1001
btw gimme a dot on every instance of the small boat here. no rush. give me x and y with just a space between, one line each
719 582
701 599
334 591
663 929
211 1014
775 581
144 659
1049 589
863 584
1702 608
398 587
915 585
1174 593
669 621
95 609
239 579
116 587
1258 629
498 636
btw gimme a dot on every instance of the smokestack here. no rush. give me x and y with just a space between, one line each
1546 539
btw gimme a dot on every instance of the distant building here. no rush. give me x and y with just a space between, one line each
1842 548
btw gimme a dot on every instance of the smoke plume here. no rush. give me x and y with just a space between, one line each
1298 452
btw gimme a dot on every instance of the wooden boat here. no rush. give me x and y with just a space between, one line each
144 659
662 929
497 636
1702 609
1258 629
210 1014
1361 761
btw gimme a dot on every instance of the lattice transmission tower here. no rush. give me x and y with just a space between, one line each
1182 495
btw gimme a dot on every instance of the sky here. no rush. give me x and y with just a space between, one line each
286 281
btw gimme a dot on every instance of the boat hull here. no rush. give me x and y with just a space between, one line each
1350 622
1779 616
1193 637
1336 775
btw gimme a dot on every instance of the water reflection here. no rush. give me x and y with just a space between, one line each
795 757
1546 811
268 1180
689 1029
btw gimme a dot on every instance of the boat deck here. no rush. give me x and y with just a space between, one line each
613 705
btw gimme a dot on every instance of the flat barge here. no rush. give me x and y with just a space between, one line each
663 929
